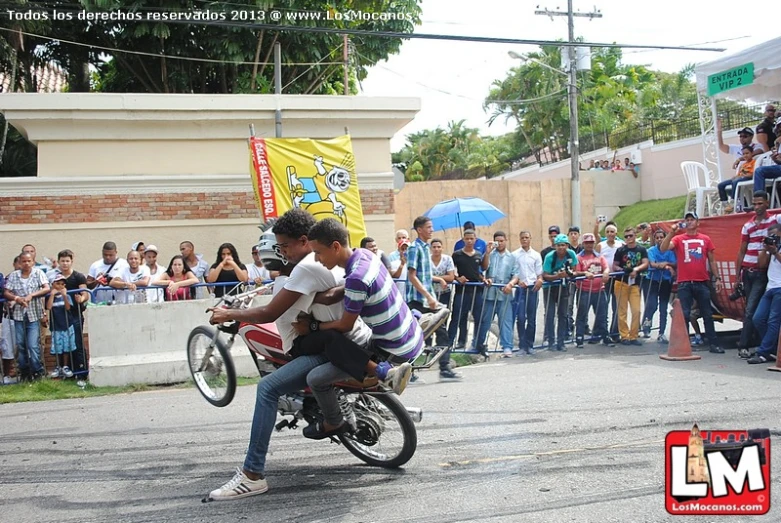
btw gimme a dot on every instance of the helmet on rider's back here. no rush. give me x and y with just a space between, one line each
270 253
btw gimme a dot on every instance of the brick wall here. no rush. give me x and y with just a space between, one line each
160 206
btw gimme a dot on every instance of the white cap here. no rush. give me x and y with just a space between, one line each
151 248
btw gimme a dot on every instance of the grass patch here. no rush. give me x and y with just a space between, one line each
650 211
46 389
462 360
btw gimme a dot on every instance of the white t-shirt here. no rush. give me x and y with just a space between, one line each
139 296
608 252
99 267
200 270
155 295
307 278
774 274
401 281
253 271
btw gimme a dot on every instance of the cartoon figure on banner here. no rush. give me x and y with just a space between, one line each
317 193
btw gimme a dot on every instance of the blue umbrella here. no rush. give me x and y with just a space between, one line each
452 214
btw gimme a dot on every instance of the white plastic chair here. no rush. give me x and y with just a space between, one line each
697 185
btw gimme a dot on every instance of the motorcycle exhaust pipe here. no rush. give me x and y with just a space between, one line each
415 413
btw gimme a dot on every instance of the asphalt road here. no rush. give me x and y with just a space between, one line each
550 438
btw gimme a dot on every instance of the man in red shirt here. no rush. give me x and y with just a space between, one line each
592 295
696 266
753 270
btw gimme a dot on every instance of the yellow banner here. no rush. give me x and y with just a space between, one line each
316 175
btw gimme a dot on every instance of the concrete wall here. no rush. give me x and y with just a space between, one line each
147 343
529 206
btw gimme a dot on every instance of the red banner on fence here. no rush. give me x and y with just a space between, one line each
725 233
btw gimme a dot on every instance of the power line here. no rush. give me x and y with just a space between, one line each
429 36
173 57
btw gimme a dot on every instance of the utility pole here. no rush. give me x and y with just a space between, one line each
346 59
278 89
574 145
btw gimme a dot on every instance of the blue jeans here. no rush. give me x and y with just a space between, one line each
556 299
286 379
767 320
503 310
28 334
467 297
526 301
754 283
733 183
769 172
598 302
688 293
657 299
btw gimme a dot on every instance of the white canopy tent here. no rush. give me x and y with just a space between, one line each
766 85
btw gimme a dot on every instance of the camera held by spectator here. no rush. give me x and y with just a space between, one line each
738 293
773 240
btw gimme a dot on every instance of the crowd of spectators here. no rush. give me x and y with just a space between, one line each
595 289
615 165
601 289
756 158
50 297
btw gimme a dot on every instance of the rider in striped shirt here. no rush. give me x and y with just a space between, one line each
371 294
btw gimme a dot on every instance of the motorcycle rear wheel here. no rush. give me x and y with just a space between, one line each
385 435
211 368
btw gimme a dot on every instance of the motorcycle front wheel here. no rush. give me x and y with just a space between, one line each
384 434
211 366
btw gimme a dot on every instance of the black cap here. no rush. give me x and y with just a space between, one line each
574 228
746 130
554 228
692 214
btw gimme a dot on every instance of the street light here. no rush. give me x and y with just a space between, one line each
524 58
572 96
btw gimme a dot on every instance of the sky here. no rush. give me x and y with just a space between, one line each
453 78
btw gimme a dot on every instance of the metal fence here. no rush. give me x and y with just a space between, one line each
735 117
555 316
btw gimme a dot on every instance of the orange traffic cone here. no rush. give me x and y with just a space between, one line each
680 348
777 366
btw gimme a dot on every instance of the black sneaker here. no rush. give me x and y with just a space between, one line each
760 358
608 342
745 354
579 343
448 374
715 349
637 343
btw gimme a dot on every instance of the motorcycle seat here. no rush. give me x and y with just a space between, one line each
368 383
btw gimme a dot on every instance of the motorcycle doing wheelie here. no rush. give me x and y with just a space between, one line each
382 430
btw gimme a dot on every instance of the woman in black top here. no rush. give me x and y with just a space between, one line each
227 268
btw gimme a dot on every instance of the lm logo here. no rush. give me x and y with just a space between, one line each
725 472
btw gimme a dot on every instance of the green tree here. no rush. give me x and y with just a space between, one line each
456 152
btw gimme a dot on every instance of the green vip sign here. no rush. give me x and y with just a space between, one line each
739 76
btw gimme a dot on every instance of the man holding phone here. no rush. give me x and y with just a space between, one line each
696 267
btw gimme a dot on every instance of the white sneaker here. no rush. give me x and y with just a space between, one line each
8 380
398 377
431 321
239 487
67 372
55 374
